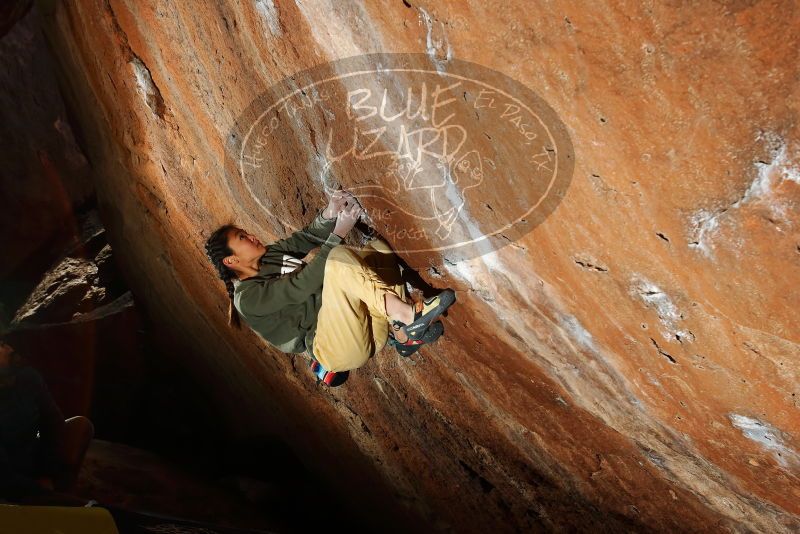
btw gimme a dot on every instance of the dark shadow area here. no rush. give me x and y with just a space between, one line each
161 445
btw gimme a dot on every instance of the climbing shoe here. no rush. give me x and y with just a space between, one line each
434 332
425 311
328 378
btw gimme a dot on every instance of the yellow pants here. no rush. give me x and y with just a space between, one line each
352 324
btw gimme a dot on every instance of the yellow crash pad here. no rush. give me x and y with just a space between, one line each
20 519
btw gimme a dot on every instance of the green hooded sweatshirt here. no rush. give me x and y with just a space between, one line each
282 301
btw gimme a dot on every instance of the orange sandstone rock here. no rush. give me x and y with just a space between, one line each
628 363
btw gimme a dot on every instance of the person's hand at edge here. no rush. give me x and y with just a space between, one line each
337 202
347 219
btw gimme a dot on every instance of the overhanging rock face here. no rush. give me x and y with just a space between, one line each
628 361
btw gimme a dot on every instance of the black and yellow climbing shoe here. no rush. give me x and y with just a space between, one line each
434 332
425 312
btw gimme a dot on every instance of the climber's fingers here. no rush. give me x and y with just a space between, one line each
337 200
347 200
353 209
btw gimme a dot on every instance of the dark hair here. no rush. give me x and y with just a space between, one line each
217 249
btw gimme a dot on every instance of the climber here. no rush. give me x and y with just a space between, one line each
43 469
337 307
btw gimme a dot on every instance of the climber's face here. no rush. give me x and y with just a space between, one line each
246 248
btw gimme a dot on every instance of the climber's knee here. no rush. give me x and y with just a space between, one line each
342 255
339 252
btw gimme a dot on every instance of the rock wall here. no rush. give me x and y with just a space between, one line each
629 363
45 186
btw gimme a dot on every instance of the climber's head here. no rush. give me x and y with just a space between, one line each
244 247
228 248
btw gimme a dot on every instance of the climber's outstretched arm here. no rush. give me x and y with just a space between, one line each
304 240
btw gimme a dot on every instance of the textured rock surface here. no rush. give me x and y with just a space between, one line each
134 479
44 176
75 287
630 363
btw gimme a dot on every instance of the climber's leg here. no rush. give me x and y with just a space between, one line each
352 295
382 259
